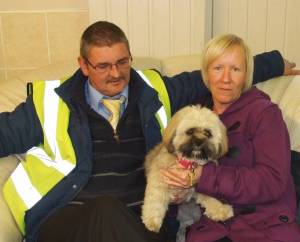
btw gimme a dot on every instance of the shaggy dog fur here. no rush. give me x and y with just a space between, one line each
196 134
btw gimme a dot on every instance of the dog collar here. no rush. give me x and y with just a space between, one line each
187 164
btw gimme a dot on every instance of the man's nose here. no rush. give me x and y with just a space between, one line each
114 71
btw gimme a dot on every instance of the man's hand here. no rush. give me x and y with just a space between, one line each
289 68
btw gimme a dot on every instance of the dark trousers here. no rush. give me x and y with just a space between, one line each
98 220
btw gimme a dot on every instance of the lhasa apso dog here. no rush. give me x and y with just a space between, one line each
194 136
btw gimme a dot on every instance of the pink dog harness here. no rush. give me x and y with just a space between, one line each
187 164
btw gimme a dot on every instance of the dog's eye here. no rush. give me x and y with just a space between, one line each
190 131
208 133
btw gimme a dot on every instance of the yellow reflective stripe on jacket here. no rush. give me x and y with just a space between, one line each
46 164
153 79
56 136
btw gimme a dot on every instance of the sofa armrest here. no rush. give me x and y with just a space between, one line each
13 91
176 64
8 227
284 91
142 63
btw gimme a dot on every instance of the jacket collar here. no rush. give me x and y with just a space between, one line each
148 101
139 92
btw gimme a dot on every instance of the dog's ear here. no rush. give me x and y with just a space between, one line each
170 145
169 131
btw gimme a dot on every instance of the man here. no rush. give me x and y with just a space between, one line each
83 178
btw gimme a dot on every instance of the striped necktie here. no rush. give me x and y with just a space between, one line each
113 105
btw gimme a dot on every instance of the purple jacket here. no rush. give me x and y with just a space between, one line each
254 178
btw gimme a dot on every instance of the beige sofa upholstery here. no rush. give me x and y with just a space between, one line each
285 91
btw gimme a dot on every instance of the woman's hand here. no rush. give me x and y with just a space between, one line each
180 177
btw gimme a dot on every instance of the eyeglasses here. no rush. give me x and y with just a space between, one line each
106 67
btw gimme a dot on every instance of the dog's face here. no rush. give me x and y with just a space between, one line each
196 133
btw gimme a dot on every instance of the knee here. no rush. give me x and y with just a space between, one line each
105 204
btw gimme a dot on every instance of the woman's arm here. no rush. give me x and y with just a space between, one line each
263 181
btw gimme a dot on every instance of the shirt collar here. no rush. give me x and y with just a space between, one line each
94 97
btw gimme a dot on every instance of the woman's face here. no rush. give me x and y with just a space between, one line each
226 77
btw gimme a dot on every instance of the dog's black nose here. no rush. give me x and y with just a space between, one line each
198 141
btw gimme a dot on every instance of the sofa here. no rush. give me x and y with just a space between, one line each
283 90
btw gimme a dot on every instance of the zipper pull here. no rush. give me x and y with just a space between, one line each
116 137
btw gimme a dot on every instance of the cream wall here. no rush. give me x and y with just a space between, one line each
34 33
158 28
19 5
264 24
163 28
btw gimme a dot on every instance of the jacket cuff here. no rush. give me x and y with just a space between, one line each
267 65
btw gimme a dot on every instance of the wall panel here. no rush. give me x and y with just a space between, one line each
38 5
97 10
29 40
238 21
276 15
138 19
220 17
257 25
118 13
25 40
159 28
265 24
292 40
2 57
180 27
160 33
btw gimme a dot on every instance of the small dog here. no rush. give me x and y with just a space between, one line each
194 135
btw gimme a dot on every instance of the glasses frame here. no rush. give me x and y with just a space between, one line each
109 66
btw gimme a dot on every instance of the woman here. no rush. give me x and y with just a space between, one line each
254 177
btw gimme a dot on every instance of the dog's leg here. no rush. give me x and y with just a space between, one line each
214 209
188 213
156 203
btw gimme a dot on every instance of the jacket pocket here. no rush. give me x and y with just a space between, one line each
281 226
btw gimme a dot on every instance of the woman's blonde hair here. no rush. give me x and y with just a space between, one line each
217 46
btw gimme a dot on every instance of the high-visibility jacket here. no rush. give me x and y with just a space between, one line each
45 165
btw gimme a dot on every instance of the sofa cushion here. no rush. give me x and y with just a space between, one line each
142 63
177 64
285 92
8 229
13 91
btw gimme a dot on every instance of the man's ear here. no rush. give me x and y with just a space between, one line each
83 65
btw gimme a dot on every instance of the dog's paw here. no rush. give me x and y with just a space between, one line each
221 212
153 224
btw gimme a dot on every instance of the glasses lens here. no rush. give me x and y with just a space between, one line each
106 67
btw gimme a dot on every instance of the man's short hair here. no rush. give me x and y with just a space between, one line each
217 46
101 33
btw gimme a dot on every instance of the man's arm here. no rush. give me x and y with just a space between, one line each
19 130
271 64
289 68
